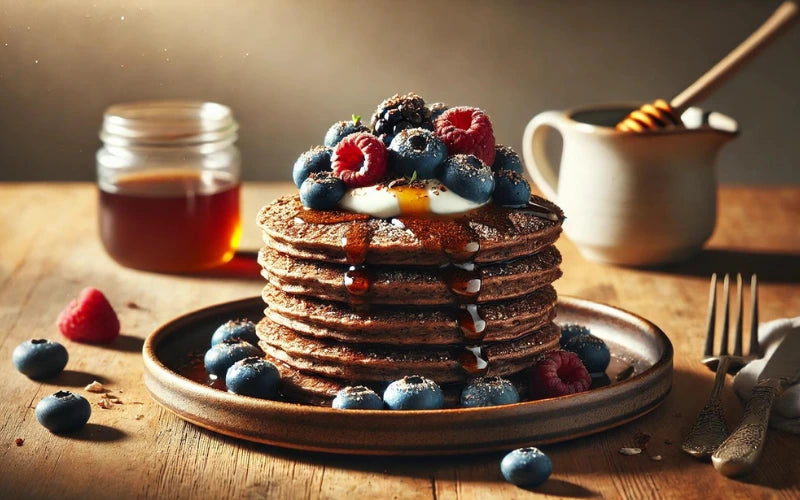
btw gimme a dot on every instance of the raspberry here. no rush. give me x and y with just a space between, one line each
467 130
360 160
400 112
89 318
557 374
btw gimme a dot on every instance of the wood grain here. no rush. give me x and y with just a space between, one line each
50 251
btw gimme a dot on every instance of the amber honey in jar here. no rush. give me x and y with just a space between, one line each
168 177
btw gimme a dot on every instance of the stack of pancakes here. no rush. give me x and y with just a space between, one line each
358 300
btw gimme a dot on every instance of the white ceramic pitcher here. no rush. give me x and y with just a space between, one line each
636 199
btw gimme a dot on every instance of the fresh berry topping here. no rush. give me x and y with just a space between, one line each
569 330
413 393
221 356
40 358
322 191
254 377
357 398
489 391
468 131
506 158
400 112
89 318
468 177
592 351
340 130
416 150
360 160
63 411
437 109
241 329
557 374
526 467
510 189
317 159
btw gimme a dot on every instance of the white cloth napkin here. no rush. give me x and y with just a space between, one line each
786 410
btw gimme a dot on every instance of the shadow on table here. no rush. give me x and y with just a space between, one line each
244 266
97 433
74 378
770 267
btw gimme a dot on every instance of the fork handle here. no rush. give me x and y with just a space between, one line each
709 429
740 452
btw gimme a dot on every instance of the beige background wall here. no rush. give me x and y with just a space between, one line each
289 69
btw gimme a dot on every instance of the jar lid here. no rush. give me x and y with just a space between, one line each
167 123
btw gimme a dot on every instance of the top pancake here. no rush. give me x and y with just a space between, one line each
486 234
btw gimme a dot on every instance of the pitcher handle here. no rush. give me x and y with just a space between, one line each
539 167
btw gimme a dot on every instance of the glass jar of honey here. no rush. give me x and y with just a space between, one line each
168 177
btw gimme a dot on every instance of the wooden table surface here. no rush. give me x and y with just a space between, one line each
50 251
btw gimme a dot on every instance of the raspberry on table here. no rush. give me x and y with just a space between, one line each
559 373
89 318
360 160
467 130
400 112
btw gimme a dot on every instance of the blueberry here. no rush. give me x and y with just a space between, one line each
569 330
63 411
416 150
221 356
593 352
241 328
340 130
322 191
254 377
506 158
40 358
413 393
526 467
510 189
468 177
357 398
489 391
317 159
437 109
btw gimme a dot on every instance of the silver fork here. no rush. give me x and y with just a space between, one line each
710 429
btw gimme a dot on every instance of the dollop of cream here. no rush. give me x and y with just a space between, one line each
385 202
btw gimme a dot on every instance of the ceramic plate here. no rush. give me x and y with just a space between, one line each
640 377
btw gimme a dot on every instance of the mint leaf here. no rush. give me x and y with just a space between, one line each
356 119
413 176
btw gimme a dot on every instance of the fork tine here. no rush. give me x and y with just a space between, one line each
755 350
737 337
712 317
726 286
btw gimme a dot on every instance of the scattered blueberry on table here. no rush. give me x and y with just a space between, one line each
357 397
255 377
240 328
413 393
489 391
63 411
40 358
526 467
220 357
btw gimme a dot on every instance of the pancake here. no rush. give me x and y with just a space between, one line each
423 286
385 363
506 320
487 234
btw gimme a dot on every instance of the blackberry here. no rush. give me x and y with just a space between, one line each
400 112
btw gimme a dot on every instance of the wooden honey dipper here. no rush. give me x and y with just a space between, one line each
661 114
